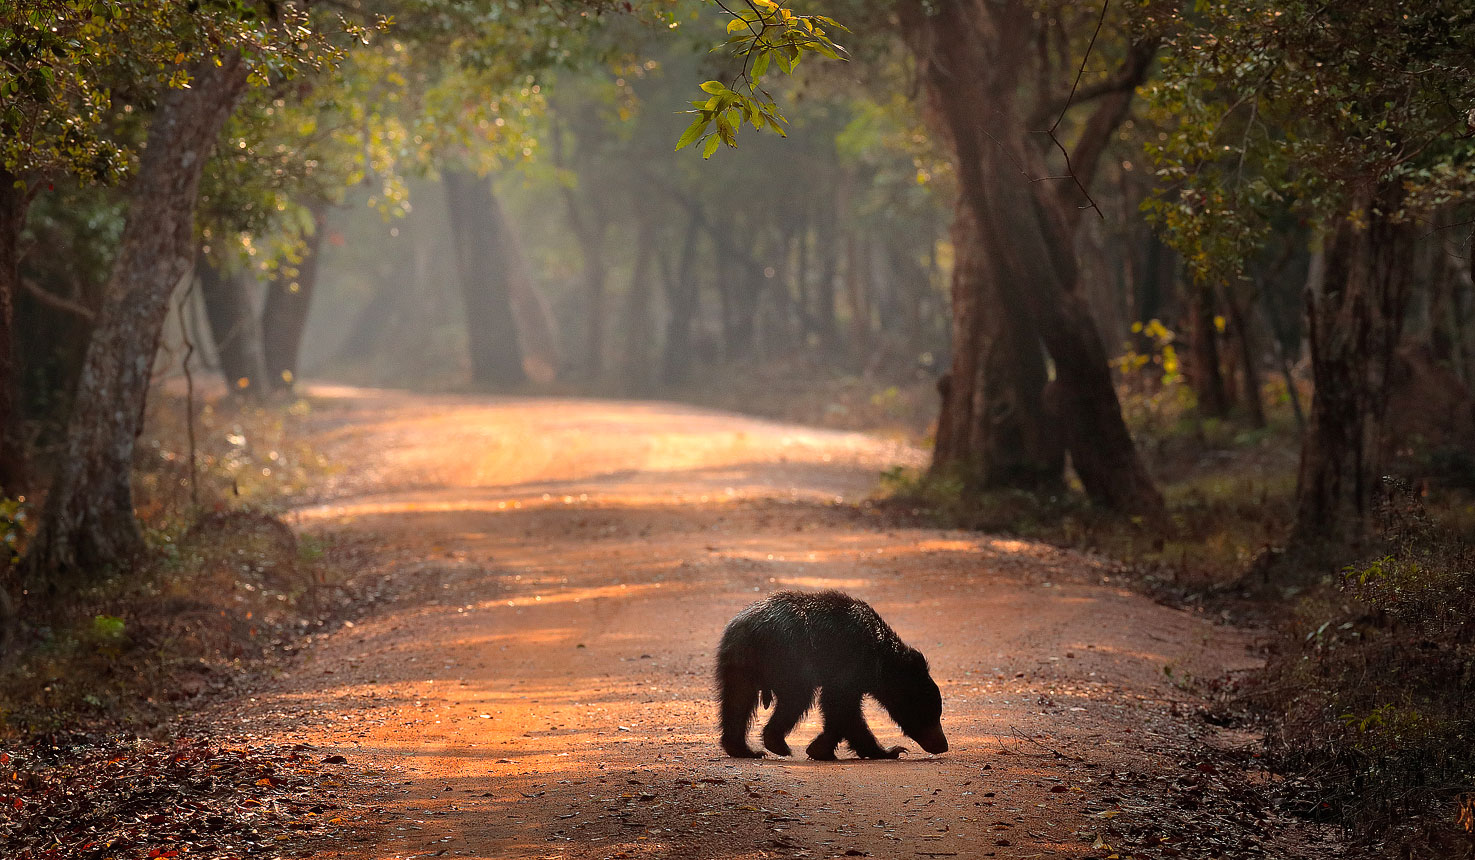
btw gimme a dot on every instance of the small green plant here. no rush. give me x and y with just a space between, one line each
108 628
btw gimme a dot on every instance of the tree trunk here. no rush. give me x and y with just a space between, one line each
825 293
590 234
399 278
235 327
857 287
1204 369
639 333
88 524
972 52
1354 310
288 301
13 205
488 258
993 430
1252 381
682 296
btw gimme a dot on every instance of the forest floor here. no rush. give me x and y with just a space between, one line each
542 685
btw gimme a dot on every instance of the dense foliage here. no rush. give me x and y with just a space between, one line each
1322 109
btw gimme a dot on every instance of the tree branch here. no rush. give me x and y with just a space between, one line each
52 300
1126 79
1107 118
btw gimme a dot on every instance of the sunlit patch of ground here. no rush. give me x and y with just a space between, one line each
544 689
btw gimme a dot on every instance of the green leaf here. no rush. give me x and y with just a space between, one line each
693 132
710 146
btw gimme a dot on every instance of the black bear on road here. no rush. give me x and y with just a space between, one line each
789 644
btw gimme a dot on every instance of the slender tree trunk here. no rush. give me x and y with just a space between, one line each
1354 313
826 294
235 327
972 52
590 234
856 289
288 301
803 294
88 524
1250 375
1204 368
488 258
682 295
13 205
639 333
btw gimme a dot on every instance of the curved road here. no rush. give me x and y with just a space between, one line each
542 685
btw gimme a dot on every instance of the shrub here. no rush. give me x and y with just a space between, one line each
1372 693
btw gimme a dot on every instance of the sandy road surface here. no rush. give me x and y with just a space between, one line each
545 690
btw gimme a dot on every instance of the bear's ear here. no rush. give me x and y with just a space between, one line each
915 661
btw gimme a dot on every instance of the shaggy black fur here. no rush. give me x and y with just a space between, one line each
790 644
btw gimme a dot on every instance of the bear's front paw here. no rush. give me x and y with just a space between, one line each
777 746
894 752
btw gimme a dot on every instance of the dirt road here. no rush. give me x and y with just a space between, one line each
544 690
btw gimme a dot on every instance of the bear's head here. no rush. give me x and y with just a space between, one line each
911 697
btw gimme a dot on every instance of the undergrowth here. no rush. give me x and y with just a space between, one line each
1370 694
225 587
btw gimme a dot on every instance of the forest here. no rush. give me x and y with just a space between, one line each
397 397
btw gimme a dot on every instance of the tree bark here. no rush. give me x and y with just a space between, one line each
971 54
488 259
88 523
13 205
994 430
288 301
235 328
1354 309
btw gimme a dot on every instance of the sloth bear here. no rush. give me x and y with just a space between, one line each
790 643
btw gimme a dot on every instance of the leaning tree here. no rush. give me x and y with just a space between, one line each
88 521
998 93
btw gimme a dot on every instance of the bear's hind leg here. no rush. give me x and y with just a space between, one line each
739 696
792 703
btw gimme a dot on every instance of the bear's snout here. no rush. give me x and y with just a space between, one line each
932 740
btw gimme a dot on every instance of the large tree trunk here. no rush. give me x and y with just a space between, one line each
972 53
288 301
13 204
88 523
235 327
1354 309
993 430
488 259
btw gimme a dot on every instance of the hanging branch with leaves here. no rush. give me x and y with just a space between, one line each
762 32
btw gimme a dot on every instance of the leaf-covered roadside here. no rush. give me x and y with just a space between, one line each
86 798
